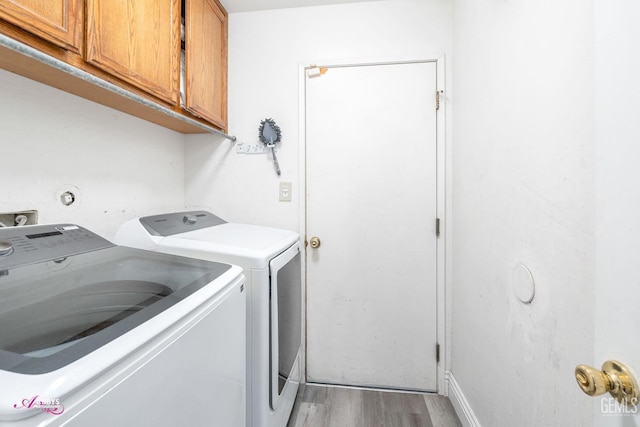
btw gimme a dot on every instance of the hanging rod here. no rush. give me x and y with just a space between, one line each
28 51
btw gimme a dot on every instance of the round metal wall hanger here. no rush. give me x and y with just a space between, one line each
269 134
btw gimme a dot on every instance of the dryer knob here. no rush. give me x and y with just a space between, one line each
189 219
6 248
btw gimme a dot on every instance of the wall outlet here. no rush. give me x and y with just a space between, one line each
285 191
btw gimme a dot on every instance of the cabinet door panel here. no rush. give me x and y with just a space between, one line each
58 21
206 60
137 41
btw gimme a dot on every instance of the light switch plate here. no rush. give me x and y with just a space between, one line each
285 192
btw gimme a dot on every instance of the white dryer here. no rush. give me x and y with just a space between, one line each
94 334
271 262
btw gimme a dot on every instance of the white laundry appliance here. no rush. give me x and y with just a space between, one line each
93 334
272 265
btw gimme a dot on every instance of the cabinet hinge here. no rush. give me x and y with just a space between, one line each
437 227
437 353
437 100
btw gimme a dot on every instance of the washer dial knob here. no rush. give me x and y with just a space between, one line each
6 248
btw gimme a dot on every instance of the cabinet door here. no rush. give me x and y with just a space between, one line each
206 60
58 21
137 41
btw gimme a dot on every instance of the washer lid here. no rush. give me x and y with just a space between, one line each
58 311
249 246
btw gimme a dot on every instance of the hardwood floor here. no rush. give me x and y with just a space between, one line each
328 406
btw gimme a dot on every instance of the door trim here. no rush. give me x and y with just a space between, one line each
443 192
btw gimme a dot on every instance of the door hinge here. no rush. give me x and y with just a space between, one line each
437 353
437 100
314 71
437 227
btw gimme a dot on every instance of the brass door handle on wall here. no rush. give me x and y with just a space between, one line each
315 242
614 377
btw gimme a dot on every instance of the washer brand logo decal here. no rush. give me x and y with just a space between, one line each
50 406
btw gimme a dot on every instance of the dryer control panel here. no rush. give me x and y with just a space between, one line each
38 243
179 222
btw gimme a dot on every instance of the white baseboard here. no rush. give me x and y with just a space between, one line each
460 403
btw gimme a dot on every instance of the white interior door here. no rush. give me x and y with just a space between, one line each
371 200
617 289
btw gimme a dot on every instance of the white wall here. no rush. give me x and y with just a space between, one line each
618 203
122 166
532 183
523 191
265 51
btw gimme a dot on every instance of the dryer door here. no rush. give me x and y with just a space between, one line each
285 321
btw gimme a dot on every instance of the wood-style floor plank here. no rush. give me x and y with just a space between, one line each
327 406
441 411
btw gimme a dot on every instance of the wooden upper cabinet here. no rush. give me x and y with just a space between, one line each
134 44
206 60
137 41
57 21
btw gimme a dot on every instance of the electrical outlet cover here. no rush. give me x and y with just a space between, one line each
285 191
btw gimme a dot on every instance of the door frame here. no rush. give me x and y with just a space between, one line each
443 200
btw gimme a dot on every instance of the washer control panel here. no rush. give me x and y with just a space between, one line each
38 243
179 222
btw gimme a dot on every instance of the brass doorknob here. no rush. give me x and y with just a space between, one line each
614 377
315 242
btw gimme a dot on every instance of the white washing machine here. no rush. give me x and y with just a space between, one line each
271 262
92 334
